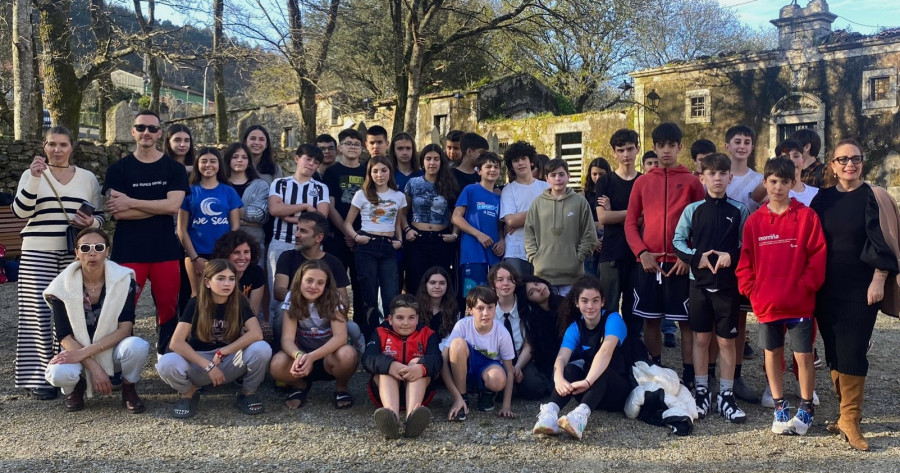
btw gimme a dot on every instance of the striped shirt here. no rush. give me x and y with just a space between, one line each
291 192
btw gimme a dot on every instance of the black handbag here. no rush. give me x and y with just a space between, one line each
71 230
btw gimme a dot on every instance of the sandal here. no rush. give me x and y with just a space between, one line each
186 407
250 404
298 395
343 400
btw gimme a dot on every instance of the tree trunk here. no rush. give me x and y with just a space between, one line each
104 90
414 89
61 84
402 39
308 109
23 77
37 88
219 74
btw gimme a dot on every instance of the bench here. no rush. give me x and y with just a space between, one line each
10 226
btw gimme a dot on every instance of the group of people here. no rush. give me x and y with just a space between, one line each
250 270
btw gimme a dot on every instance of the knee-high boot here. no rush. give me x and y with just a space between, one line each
836 381
852 388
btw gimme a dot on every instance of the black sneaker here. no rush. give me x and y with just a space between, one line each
703 399
749 352
669 340
486 400
461 414
728 408
744 393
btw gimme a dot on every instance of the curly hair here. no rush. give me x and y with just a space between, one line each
233 239
568 311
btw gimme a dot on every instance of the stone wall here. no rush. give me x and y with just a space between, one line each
16 156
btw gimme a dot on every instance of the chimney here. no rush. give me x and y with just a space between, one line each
800 28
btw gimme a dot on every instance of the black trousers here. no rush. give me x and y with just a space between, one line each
608 392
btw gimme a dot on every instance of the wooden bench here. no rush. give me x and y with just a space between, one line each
10 226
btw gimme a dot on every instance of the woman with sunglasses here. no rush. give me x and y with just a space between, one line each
859 263
44 247
93 310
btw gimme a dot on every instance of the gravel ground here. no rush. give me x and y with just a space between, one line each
41 436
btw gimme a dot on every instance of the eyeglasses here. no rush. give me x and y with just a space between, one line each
143 128
87 247
843 160
327 148
351 144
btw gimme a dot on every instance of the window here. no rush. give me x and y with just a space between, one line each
441 124
568 147
697 106
288 140
879 88
879 91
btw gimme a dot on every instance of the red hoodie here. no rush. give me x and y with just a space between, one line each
782 262
659 196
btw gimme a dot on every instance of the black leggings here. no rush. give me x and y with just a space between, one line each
846 329
608 392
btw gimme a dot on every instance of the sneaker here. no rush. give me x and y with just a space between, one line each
461 415
801 422
817 362
749 352
486 400
387 423
669 340
727 408
744 393
703 399
782 422
417 421
767 399
574 422
547 421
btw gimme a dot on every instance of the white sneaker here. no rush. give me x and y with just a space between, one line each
782 423
800 423
767 399
574 422
547 420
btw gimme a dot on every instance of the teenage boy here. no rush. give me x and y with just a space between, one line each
747 188
452 147
813 170
480 355
289 197
328 145
649 161
616 260
793 150
516 199
477 214
558 221
708 238
661 284
472 145
145 189
699 149
782 265
377 141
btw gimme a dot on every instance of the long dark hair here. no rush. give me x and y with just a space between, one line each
252 175
266 162
195 176
206 307
167 148
568 311
403 136
368 186
590 187
445 185
449 307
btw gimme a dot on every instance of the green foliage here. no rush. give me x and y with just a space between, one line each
564 105
144 102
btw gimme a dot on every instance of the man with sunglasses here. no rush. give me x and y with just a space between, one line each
144 190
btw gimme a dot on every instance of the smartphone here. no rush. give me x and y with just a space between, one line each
86 208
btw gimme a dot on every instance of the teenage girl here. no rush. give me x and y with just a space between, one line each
209 211
437 303
260 145
180 145
599 168
253 191
314 338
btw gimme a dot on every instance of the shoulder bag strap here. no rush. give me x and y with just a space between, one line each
63 207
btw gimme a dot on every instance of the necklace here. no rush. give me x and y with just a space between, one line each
67 166
95 289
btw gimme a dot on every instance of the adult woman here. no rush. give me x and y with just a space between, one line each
430 198
216 341
93 310
242 250
260 145
179 145
44 248
252 190
858 261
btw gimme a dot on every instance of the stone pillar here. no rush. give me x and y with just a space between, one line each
119 119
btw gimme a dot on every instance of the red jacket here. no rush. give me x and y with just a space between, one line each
385 347
659 196
782 262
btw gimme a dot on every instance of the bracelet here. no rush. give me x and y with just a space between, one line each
299 353
407 229
210 366
590 384
195 258
220 354
101 346
355 236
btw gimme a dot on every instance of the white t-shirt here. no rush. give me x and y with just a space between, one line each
806 196
741 187
496 344
382 217
515 198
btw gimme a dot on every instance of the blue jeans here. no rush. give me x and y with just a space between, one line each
376 266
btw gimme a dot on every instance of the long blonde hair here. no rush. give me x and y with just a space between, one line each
206 307
327 304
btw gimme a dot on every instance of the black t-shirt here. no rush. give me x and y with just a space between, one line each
91 313
619 191
151 239
240 188
219 328
343 182
291 260
253 278
464 179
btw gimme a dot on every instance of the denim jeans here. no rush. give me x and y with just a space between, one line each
376 267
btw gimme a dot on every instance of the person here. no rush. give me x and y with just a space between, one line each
515 200
559 221
480 354
540 160
452 147
477 216
328 145
661 284
93 312
472 145
210 210
599 167
377 141
700 149
747 188
859 263
257 140
649 161
145 190
437 303
793 150
253 191
403 159
179 145
781 267
44 248
290 197
403 358
425 225
813 173
616 261
708 238
217 340
590 366
314 338
243 252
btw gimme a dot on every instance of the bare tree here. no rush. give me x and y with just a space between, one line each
219 73
23 68
151 65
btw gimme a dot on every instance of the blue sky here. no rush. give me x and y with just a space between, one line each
864 16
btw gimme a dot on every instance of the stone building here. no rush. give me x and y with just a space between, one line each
843 85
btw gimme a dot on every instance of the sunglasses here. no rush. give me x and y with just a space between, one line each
143 128
842 160
87 247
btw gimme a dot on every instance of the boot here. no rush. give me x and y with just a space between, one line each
836 381
75 399
131 400
851 410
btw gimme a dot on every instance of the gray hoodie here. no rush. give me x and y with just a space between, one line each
559 235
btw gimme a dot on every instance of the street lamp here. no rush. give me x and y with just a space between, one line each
653 100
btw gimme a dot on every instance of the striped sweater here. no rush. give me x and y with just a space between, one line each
46 228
